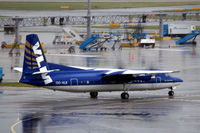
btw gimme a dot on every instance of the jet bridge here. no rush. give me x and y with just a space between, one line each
185 39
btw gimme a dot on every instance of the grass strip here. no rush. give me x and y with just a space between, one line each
15 84
83 5
3 16
184 10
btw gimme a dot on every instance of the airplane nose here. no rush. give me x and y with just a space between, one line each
178 80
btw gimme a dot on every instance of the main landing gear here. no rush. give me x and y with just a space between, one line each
93 94
124 95
171 92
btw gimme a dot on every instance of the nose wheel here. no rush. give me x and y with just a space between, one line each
171 92
124 95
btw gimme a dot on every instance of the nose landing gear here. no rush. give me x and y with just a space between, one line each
171 92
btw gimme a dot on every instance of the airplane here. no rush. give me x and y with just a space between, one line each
37 71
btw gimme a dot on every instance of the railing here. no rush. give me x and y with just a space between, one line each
82 20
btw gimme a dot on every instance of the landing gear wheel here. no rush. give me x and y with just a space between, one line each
171 93
124 95
93 94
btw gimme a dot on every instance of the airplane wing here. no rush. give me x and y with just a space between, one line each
129 75
136 72
151 72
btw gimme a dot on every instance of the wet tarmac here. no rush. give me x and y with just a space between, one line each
38 110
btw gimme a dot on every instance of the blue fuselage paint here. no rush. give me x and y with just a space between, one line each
94 77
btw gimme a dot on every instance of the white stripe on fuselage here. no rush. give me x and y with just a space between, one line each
113 87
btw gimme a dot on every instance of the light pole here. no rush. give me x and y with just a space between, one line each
88 20
161 24
17 35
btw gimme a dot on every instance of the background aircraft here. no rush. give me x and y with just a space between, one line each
37 71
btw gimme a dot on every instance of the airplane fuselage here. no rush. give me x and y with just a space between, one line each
94 81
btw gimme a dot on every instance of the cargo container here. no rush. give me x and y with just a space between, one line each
177 30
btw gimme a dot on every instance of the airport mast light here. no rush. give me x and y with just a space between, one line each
17 35
89 20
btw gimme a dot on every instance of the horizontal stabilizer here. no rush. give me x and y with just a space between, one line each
19 69
44 72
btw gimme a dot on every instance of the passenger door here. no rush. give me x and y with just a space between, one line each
73 81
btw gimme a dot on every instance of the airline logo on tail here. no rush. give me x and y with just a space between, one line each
47 79
40 58
35 58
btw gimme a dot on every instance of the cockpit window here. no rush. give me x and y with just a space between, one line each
167 75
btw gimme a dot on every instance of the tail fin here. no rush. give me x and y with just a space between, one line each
34 59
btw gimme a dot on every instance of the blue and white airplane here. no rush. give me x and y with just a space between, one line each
37 71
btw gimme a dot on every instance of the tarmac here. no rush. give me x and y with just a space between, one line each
39 110
35 110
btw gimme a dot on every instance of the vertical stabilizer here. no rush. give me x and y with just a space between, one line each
34 60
